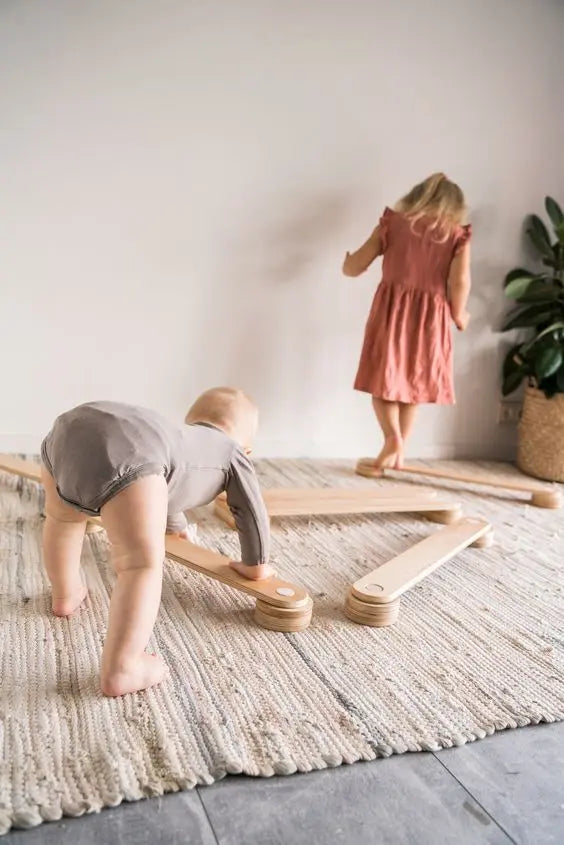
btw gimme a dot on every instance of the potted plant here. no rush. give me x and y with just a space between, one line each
539 357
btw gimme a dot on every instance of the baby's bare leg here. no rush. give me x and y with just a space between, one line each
63 534
135 520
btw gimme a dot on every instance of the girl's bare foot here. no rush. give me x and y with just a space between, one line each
70 604
391 453
133 676
399 459
254 573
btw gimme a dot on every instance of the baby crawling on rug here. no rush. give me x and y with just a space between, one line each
139 472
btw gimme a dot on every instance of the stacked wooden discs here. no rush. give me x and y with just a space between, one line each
444 517
485 541
366 611
289 620
546 499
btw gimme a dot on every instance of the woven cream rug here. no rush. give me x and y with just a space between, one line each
478 648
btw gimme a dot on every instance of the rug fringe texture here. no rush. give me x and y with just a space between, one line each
478 648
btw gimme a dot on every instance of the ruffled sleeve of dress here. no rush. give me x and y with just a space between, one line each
384 227
462 238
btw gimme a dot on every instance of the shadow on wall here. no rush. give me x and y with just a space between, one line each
277 350
289 238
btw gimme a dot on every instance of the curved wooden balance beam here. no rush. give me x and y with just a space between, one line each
375 599
280 605
313 501
541 495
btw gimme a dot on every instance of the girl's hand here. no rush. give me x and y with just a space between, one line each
461 322
357 262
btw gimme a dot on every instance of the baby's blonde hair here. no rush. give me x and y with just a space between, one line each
437 198
226 408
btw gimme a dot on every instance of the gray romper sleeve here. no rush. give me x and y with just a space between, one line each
176 523
247 506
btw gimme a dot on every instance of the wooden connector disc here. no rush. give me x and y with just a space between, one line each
288 620
445 517
546 499
485 541
374 615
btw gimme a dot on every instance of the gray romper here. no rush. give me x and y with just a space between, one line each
98 449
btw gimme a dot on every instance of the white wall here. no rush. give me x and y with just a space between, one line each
180 179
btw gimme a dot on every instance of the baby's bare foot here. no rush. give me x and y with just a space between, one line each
254 573
70 604
139 674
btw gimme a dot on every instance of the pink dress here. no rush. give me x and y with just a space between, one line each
407 351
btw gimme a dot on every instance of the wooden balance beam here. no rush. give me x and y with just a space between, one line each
375 599
280 605
540 495
312 501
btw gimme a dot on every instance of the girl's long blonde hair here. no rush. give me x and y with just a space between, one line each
438 199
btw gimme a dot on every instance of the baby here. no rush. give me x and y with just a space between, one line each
139 472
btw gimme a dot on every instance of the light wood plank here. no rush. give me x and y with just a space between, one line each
334 501
274 495
402 572
19 466
542 495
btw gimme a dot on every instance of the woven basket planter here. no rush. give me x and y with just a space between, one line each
540 450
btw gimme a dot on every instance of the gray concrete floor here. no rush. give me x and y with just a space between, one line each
507 788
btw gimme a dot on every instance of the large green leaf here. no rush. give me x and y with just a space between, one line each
559 229
511 382
554 211
530 317
543 291
510 364
516 274
557 256
537 224
538 233
517 286
548 362
551 262
553 328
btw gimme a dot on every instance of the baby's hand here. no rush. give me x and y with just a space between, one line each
461 322
189 533
256 572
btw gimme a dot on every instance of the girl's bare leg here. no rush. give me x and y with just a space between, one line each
387 414
407 414
135 520
63 534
